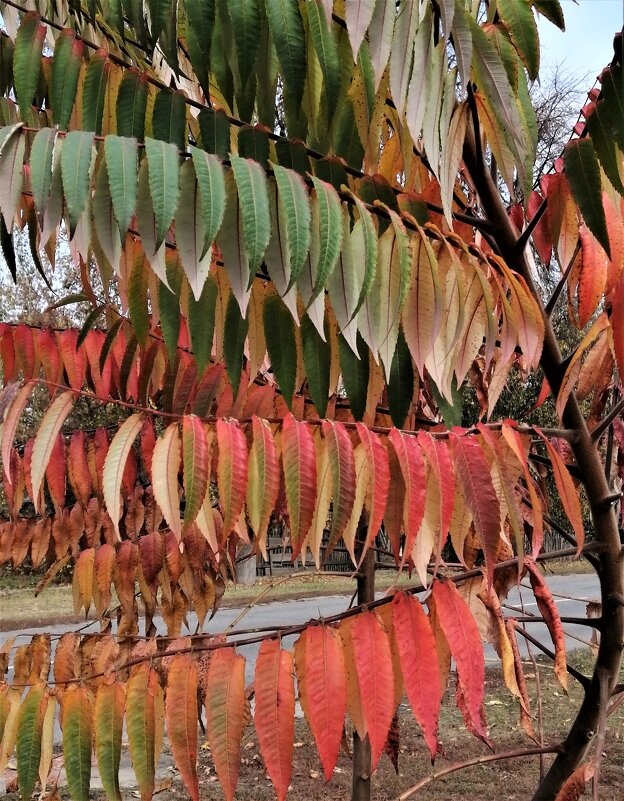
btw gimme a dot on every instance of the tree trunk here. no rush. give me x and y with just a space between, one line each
361 776
246 566
598 492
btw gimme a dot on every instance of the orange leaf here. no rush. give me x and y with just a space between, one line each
225 704
439 457
165 467
462 635
231 472
373 661
342 464
181 717
574 786
275 713
568 493
325 691
299 465
196 461
263 485
419 664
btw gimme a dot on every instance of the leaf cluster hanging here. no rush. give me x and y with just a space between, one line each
165 684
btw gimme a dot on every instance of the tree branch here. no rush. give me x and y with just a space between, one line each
480 760
604 424
524 237
549 308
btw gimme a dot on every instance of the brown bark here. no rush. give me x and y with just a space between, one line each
597 490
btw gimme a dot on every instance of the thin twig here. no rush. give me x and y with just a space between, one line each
583 680
606 421
531 226
549 308
480 760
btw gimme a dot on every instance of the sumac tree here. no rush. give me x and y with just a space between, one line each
294 252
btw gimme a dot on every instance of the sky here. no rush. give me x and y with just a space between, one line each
587 44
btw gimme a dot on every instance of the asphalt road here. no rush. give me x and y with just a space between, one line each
583 587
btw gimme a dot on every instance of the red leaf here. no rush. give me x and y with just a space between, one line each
325 690
78 468
412 464
568 494
380 481
419 664
299 466
373 661
550 613
264 480
473 472
462 635
275 713
593 278
541 234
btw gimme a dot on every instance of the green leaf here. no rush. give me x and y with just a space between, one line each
109 711
232 246
583 173
491 78
293 155
326 48
29 731
517 17
27 60
159 15
190 236
137 297
88 324
76 159
287 32
598 127
201 322
253 200
163 160
169 118
401 382
12 153
279 332
121 164
326 233
200 19
355 373
551 9
294 217
66 64
253 143
210 177
451 412
214 128
169 307
77 741
234 335
8 250
245 19
94 92
370 252
613 92
317 363
132 105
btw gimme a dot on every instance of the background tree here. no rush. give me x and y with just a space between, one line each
271 206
